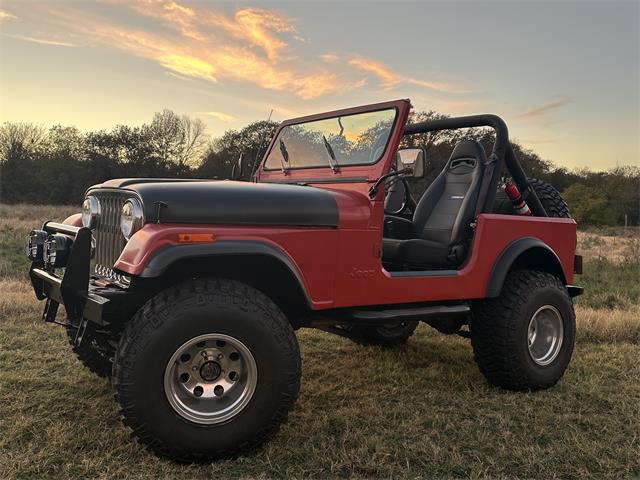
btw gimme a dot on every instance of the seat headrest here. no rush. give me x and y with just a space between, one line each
467 153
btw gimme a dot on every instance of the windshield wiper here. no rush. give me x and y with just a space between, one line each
334 165
284 157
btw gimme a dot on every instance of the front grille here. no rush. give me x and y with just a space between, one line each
108 237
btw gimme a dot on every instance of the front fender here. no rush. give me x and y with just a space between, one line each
165 258
75 220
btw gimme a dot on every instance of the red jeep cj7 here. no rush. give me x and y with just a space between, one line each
188 292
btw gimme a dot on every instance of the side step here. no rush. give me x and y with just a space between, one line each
415 313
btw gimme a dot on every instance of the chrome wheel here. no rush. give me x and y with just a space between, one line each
545 335
210 378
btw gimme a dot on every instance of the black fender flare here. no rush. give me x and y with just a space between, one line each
509 256
169 256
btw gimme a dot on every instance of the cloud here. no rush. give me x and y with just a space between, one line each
42 41
256 27
387 77
255 46
4 15
223 117
313 86
390 79
360 83
535 112
176 75
189 66
330 57
211 46
437 86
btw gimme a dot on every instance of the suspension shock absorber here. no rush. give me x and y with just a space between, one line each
519 205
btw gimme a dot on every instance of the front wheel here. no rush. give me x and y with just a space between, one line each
523 339
206 370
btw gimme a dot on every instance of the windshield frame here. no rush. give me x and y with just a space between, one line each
391 106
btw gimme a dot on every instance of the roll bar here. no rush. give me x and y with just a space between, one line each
502 155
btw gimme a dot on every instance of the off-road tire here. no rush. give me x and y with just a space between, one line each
95 350
185 312
384 336
499 328
550 198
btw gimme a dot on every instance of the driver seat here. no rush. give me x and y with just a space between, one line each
439 233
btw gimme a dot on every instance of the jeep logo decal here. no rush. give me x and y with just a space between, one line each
357 273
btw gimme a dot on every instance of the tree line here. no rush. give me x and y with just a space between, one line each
56 165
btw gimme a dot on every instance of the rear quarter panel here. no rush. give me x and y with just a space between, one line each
360 279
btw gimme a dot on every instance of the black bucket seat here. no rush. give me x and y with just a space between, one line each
439 232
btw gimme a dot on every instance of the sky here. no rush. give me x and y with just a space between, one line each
564 75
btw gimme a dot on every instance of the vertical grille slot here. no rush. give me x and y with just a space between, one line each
109 240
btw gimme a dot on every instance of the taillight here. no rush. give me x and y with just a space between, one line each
577 264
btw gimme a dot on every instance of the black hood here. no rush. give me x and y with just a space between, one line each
231 203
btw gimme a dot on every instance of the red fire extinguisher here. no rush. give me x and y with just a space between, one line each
518 202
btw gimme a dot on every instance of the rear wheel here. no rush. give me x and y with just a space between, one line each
206 370
382 335
523 339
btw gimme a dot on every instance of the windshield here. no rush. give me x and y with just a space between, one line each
358 139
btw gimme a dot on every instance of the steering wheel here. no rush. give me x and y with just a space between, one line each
397 195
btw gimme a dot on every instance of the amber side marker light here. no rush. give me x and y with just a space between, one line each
195 237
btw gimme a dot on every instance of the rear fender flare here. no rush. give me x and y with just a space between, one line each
527 246
169 256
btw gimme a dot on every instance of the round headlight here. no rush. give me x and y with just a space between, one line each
56 250
90 212
35 244
131 218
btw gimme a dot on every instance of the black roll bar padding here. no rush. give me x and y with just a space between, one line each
502 153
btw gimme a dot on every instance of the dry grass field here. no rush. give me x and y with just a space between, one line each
422 410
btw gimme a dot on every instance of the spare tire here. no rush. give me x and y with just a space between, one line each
550 198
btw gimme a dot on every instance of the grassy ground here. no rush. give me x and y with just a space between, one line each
612 268
422 410
15 223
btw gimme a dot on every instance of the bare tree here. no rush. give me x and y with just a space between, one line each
194 141
19 140
176 139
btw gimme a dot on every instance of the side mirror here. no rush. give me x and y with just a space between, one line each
412 161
